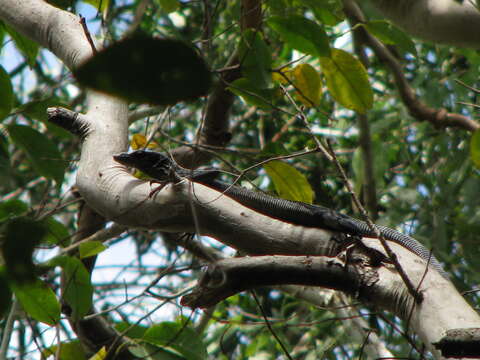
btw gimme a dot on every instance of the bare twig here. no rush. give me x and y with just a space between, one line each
269 326
137 19
8 329
391 255
144 112
88 35
475 90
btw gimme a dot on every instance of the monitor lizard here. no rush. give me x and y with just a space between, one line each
161 168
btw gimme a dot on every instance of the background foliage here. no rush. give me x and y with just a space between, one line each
300 76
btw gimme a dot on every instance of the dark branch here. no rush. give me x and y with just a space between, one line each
231 276
459 343
69 120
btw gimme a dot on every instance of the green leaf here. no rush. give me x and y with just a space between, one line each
27 47
100 5
57 233
3 31
134 332
169 6
71 350
262 98
6 298
357 166
7 98
6 170
38 301
157 71
42 153
255 59
475 148
91 248
381 164
301 34
272 149
11 208
277 7
347 81
62 4
151 352
391 35
289 183
178 337
78 290
8 178
308 84
257 344
37 109
328 12
21 236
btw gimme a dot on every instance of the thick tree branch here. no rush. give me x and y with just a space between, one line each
230 276
245 229
57 30
459 343
440 118
441 21
378 286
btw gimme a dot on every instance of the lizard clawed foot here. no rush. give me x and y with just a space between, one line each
158 188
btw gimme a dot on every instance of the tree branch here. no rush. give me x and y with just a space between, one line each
440 118
441 21
230 276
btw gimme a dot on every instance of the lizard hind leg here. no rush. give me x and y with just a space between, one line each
157 189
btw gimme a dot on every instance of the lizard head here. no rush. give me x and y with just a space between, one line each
153 164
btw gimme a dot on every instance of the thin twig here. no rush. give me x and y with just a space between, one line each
137 19
101 235
269 326
8 329
391 255
468 104
302 116
460 82
20 190
87 34
143 112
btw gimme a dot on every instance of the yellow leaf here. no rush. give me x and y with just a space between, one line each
169 6
347 81
139 141
475 148
282 75
289 182
140 175
100 355
308 85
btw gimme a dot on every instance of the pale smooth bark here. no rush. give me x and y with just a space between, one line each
440 21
